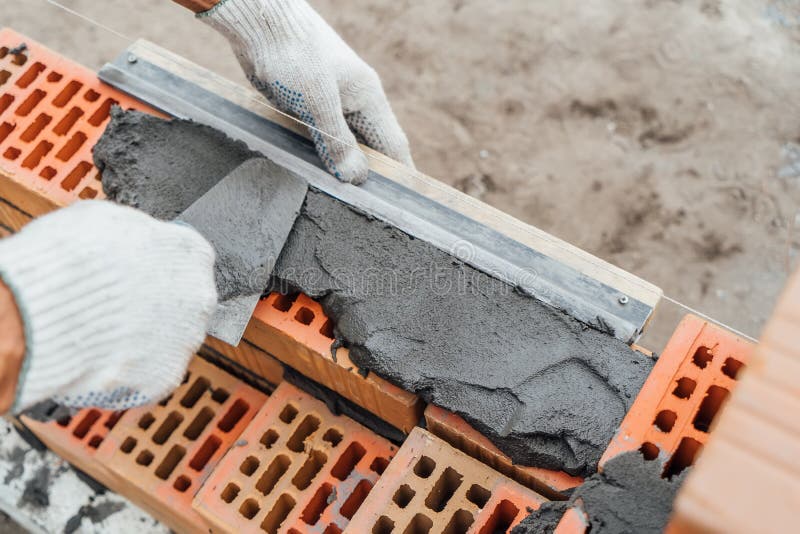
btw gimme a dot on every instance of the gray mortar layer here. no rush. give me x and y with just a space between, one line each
546 389
629 496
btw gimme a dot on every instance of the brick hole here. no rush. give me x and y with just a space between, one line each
4 76
48 173
5 129
379 465
332 528
87 193
478 495
332 436
68 121
665 420
683 457
284 302
182 483
280 511
649 450
3 52
12 153
74 178
304 430
113 419
86 424
205 452
146 420
95 441
327 329
502 518
19 59
128 445
220 395
30 75
170 462
317 504
36 127
186 376
235 413
230 493
102 112
199 423
5 102
383 525
730 368
348 460
280 464
356 498
165 400
168 426
36 155
420 524
403 496
66 94
712 402
91 95
195 392
269 438
54 77
64 421
249 466
249 508
459 523
444 489
72 146
30 103
304 316
288 414
684 388
702 357
145 458
424 467
311 467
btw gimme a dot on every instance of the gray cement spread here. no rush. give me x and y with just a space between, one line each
628 496
546 389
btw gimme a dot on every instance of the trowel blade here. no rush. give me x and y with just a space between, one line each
247 218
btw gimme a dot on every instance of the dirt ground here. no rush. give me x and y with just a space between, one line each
660 135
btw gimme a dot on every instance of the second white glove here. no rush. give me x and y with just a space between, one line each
293 57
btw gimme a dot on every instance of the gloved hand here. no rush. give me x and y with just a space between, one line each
300 64
114 304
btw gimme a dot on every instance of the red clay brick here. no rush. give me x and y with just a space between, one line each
52 112
299 468
674 412
430 485
461 435
296 331
160 455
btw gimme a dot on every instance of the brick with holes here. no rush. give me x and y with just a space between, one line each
674 412
431 487
296 331
52 111
161 454
77 438
303 469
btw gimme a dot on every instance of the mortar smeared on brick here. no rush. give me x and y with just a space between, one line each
547 390
628 496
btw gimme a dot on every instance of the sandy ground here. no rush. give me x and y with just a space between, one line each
659 135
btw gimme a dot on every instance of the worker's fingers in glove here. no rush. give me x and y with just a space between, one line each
370 116
335 143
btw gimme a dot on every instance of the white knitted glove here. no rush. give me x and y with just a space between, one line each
300 64
114 304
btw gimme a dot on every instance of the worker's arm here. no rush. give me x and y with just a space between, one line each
112 303
302 66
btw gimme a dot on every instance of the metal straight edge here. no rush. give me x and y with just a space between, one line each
528 270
